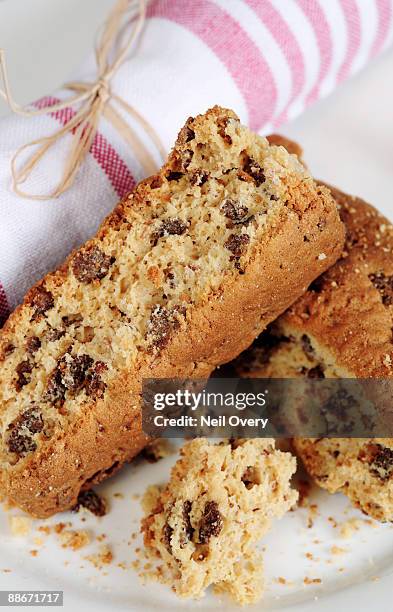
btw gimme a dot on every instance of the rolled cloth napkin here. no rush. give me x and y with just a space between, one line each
266 59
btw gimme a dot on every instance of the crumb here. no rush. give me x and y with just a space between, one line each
34 553
118 495
38 541
104 557
312 514
122 565
150 498
59 527
332 521
44 529
74 539
348 528
312 580
20 526
101 537
337 550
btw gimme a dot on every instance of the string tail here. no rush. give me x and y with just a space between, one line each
93 101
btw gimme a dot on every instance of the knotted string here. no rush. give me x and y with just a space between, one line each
95 102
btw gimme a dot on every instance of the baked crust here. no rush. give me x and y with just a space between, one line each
344 308
342 327
108 431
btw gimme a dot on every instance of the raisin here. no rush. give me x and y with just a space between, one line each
73 319
211 522
71 374
317 285
149 454
167 536
199 178
188 528
54 334
237 244
316 372
162 323
92 502
95 387
380 459
41 300
383 284
21 430
8 349
74 371
33 344
91 265
187 158
189 134
234 210
174 176
170 278
252 168
250 477
23 368
186 133
168 227
55 390
307 346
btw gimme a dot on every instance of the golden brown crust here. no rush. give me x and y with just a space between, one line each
344 308
109 433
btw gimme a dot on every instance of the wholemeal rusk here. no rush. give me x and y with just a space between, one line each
180 278
341 328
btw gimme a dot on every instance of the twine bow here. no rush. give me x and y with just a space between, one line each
94 100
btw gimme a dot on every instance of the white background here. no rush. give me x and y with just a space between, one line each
348 138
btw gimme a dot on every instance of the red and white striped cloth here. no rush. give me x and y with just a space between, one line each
266 59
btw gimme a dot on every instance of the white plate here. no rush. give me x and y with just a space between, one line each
358 577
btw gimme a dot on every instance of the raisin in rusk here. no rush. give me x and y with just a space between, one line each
181 277
341 328
203 526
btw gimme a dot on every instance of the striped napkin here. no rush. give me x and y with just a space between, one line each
266 59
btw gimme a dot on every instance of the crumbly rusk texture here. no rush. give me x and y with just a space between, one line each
204 525
342 327
180 278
